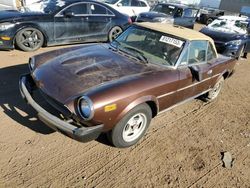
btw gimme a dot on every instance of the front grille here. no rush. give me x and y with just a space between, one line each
57 105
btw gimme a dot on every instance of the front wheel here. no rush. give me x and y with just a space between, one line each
211 95
114 32
29 39
132 127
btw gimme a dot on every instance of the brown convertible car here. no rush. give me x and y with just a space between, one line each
118 88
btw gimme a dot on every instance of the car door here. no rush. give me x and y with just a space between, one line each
195 70
70 24
186 17
100 20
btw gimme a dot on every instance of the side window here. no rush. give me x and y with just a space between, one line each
179 13
142 4
135 3
97 9
189 12
184 58
197 52
210 52
125 2
78 9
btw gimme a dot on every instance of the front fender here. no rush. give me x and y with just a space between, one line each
133 104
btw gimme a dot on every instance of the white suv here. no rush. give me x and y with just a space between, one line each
130 7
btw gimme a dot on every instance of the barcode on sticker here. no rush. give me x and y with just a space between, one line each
172 41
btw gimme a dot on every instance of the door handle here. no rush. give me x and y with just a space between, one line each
210 72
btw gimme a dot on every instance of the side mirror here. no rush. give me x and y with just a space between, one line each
68 14
119 5
196 73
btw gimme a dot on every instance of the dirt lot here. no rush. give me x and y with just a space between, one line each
181 149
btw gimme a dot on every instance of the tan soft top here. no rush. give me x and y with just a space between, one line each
178 31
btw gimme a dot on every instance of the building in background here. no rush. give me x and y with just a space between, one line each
234 5
210 3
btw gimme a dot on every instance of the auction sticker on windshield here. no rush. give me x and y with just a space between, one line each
171 41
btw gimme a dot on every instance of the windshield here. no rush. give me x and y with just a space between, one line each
111 1
44 6
166 9
229 26
149 46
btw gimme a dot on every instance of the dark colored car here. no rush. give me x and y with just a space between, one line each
118 88
168 12
60 22
231 35
209 15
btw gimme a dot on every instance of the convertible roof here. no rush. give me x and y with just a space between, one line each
187 34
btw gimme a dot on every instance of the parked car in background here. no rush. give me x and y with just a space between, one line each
208 15
10 4
172 13
231 35
245 11
130 7
15 4
118 88
60 22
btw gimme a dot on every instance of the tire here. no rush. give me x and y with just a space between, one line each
131 127
213 94
29 39
209 20
114 32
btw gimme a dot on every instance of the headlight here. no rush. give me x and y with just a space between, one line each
31 63
235 42
5 26
85 108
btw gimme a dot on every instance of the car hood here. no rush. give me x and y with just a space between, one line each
69 75
152 15
219 36
12 15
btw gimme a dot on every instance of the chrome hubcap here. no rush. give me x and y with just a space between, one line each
216 90
115 33
134 127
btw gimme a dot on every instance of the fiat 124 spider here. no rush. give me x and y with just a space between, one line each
117 88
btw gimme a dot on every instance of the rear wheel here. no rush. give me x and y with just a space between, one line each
29 39
132 127
211 95
209 21
114 32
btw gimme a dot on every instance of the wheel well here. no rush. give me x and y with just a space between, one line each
225 75
44 36
153 107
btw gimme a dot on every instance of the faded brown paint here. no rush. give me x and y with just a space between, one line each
107 77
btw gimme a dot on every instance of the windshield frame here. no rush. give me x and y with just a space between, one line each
183 48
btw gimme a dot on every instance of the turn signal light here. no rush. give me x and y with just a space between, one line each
5 38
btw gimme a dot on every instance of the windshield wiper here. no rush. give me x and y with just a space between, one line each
139 55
